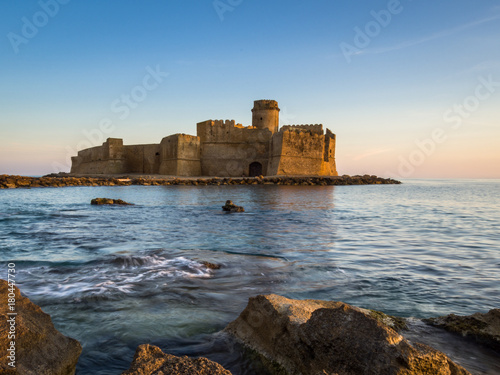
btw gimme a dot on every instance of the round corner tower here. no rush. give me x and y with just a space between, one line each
266 115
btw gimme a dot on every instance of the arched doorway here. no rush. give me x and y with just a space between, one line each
255 169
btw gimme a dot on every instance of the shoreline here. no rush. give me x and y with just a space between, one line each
66 180
297 324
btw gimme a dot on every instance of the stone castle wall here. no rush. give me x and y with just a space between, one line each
227 148
142 158
297 153
180 155
106 159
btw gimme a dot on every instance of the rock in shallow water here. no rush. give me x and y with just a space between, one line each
322 337
485 328
104 201
149 360
211 266
39 348
231 207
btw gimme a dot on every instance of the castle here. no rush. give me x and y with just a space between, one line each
222 148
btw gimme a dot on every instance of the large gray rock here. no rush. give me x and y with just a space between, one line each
321 337
484 328
39 348
150 360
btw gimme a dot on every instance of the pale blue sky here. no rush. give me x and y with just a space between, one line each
66 66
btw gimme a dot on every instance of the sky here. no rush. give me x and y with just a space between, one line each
411 88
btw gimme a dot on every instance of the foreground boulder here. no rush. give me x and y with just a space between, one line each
484 328
103 201
39 348
321 337
231 207
149 360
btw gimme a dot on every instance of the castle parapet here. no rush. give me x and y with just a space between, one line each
227 131
314 129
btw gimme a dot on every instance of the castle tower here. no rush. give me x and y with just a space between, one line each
265 115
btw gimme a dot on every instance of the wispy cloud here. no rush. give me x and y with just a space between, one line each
434 36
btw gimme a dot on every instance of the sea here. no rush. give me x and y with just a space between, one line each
115 277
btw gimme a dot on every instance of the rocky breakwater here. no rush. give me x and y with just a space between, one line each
12 182
322 337
64 180
37 348
150 360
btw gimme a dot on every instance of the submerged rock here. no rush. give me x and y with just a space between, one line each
149 360
39 348
484 328
325 337
211 266
103 201
231 207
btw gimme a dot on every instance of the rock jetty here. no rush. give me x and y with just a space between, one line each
484 328
314 337
150 360
39 348
64 180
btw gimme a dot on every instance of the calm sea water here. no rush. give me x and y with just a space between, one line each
117 277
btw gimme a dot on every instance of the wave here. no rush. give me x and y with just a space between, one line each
111 276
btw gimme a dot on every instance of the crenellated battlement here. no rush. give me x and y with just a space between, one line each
224 123
314 129
226 131
227 124
265 104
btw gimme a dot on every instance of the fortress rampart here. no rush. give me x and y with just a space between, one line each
222 148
